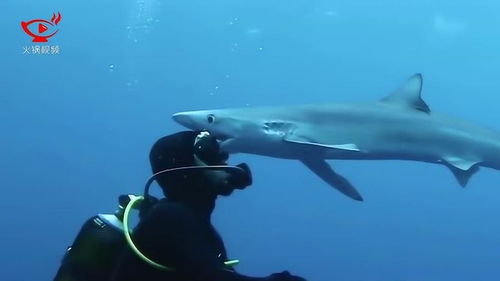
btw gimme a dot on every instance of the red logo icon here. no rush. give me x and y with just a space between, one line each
41 31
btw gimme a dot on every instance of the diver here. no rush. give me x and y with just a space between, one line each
174 239
177 230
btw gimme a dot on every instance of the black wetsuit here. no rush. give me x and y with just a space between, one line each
179 235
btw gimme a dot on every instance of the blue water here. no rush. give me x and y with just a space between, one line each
76 127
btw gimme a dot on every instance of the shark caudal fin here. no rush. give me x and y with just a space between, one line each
326 173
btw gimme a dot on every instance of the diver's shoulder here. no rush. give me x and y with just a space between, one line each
167 208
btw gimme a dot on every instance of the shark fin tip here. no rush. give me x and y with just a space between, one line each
409 94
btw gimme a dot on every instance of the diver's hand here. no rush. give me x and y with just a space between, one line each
284 276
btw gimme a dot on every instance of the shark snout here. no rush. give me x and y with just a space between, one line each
184 118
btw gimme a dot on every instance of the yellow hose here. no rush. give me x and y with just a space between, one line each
134 201
126 215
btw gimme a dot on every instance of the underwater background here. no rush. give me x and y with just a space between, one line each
76 127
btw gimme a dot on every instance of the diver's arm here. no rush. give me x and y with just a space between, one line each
233 276
194 255
223 275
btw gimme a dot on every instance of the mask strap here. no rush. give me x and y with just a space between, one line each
187 168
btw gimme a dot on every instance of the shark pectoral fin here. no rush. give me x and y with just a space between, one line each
299 140
347 146
326 173
409 94
462 169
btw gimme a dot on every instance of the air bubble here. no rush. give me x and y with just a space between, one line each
233 21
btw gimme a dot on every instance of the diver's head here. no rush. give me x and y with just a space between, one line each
187 153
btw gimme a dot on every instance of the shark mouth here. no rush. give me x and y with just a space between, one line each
222 137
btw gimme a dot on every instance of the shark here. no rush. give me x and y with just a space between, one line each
399 126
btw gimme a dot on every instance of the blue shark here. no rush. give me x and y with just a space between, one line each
400 126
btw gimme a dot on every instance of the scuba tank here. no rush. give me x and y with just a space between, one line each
96 248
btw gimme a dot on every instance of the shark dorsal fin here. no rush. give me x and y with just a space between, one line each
409 94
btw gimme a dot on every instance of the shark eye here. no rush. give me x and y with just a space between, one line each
210 118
